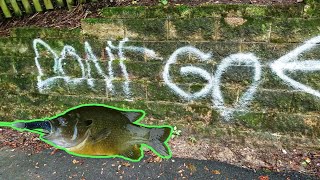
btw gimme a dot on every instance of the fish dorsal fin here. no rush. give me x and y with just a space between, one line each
132 116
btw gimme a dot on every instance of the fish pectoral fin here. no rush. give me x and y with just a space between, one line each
133 152
132 116
101 135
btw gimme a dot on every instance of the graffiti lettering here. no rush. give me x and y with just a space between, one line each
86 69
288 63
241 105
187 70
212 88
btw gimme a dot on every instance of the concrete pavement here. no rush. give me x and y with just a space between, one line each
17 164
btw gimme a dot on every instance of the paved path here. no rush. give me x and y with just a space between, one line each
19 165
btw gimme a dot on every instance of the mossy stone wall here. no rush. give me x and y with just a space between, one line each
268 32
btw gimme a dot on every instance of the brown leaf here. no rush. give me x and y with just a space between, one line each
157 159
75 161
54 151
263 177
215 172
191 167
126 164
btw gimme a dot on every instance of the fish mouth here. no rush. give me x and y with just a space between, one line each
47 132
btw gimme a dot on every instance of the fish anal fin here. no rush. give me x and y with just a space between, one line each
132 116
157 138
133 152
101 135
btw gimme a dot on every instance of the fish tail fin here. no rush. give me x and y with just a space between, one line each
157 139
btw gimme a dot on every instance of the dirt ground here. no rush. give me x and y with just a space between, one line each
252 153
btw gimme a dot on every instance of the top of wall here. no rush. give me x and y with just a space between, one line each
308 10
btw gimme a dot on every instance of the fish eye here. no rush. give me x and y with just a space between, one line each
62 121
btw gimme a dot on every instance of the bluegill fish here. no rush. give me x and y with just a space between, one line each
99 130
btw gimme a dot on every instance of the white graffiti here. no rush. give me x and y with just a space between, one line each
147 52
285 63
241 105
91 57
187 70
288 63
214 81
212 89
45 84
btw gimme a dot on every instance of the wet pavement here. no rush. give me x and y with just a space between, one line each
17 164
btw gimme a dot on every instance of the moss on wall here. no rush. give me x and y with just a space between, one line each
268 32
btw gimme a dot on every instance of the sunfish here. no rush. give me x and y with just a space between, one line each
99 131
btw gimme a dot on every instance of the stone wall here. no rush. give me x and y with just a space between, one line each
198 68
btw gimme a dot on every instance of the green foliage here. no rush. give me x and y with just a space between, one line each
192 139
164 2
176 132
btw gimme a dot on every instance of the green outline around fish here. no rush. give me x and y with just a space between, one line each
136 122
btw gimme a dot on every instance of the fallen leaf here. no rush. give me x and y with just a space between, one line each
75 161
206 168
308 160
215 172
263 177
157 159
126 164
54 151
191 167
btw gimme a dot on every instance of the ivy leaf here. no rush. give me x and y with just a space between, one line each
164 2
